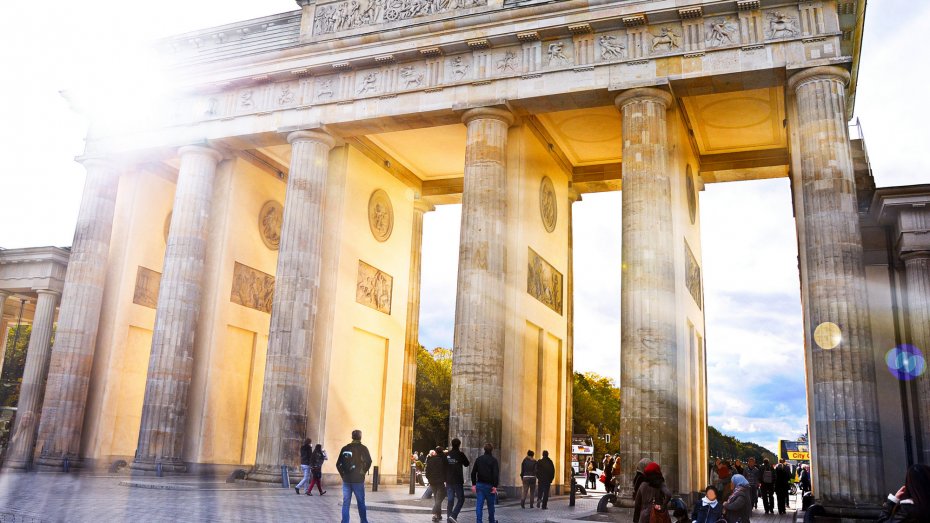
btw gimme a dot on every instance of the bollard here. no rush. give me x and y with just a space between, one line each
571 495
413 478
66 464
158 469
285 478
375 478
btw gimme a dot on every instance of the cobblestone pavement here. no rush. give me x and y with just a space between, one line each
42 497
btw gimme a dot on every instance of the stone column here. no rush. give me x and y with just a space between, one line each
478 354
917 276
573 196
32 389
164 406
78 317
283 423
412 342
648 348
847 445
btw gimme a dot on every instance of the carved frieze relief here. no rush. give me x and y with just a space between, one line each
252 288
544 282
146 291
270 219
693 276
374 288
334 17
380 215
548 209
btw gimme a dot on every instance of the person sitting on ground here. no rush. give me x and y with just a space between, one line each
652 496
708 509
912 501
738 507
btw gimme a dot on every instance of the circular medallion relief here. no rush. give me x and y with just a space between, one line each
270 219
380 215
692 196
167 226
548 209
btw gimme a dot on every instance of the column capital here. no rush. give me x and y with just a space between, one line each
643 93
315 135
50 292
573 195
915 255
488 113
824 72
202 151
422 206
96 162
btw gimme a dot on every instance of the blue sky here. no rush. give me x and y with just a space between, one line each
754 329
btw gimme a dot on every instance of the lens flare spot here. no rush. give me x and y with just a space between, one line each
828 335
906 362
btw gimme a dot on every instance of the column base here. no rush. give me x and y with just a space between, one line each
168 465
16 464
270 474
863 512
59 463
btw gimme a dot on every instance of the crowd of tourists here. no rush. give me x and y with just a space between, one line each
768 481
444 469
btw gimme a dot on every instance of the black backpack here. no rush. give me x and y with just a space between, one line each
351 461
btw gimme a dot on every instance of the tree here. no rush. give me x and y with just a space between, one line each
14 364
596 410
728 447
431 406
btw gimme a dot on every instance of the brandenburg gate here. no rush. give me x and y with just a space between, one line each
246 272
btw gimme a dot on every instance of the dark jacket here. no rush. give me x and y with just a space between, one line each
486 470
703 513
903 512
354 462
436 470
753 475
316 459
528 468
545 471
455 462
762 471
804 482
782 475
652 491
739 505
305 451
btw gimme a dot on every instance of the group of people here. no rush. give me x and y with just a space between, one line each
768 481
611 475
445 473
311 464
537 477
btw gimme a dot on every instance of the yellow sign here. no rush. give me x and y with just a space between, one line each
799 456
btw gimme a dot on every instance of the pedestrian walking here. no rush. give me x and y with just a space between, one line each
608 472
456 461
804 482
591 477
436 475
652 497
767 486
782 478
752 474
545 475
912 501
708 509
353 464
724 475
305 450
738 509
616 474
316 470
485 476
528 478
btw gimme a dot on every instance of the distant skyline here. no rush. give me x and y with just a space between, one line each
754 331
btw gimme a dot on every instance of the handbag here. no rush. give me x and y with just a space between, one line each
659 515
603 478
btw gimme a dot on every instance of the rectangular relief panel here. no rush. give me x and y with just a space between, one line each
544 282
146 293
252 288
374 288
693 276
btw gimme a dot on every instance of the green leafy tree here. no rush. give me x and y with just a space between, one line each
431 407
14 364
730 448
596 410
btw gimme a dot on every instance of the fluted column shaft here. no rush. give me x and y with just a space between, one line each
845 431
283 423
478 354
573 196
32 388
412 340
917 276
164 406
648 348
78 317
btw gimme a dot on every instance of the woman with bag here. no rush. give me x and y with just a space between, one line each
738 508
651 501
316 469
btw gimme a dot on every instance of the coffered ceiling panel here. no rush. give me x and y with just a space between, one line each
586 136
737 121
431 153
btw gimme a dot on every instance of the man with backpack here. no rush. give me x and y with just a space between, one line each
455 480
353 464
767 488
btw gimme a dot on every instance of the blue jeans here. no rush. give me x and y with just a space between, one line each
484 493
455 493
303 483
359 490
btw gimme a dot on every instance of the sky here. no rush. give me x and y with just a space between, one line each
754 329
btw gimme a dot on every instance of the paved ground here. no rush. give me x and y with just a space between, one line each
54 497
